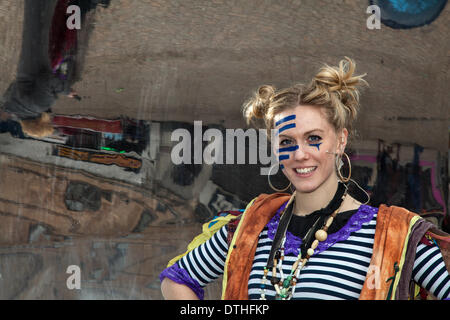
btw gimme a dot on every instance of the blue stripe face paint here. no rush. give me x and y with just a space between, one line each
316 145
285 119
293 148
286 127
286 149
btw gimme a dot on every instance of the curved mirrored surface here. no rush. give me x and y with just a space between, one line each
121 127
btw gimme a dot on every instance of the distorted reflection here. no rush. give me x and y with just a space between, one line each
84 183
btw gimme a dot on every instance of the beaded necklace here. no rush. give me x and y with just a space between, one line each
285 286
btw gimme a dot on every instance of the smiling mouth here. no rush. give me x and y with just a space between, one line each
305 170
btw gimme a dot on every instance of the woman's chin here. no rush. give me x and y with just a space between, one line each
306 188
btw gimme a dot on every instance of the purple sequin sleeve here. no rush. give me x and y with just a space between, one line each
181 276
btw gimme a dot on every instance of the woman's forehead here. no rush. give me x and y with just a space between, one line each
305 118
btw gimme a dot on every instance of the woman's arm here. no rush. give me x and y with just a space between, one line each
196 269
430 272
175 291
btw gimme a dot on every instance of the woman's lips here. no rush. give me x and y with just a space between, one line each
305 171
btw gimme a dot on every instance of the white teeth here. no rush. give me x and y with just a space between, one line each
305 170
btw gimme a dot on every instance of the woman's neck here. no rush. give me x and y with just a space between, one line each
306 203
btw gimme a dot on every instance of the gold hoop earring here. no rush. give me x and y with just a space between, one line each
338 169
270 183
362 189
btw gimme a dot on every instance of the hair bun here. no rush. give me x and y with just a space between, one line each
256 107
341 83
341 80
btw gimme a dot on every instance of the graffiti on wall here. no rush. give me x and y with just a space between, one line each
129 163
412 183
405 14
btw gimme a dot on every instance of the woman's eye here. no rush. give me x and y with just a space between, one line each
314 138
285 142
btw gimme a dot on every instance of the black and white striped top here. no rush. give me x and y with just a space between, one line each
336 272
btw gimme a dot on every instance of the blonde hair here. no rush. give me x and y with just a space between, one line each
335 89
39 127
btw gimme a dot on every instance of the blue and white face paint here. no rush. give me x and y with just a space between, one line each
290 118
317 145
286 124
282 125
301 136
283 153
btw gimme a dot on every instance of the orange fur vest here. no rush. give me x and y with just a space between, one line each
398 232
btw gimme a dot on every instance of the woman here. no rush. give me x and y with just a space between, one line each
319 242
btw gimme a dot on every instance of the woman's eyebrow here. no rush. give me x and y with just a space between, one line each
313 130
285 136
306 133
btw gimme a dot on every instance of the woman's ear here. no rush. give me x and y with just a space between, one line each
343 136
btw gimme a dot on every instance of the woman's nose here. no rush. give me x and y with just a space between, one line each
301 153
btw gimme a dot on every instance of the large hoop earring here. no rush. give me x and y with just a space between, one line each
338 169
270 183
362 189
